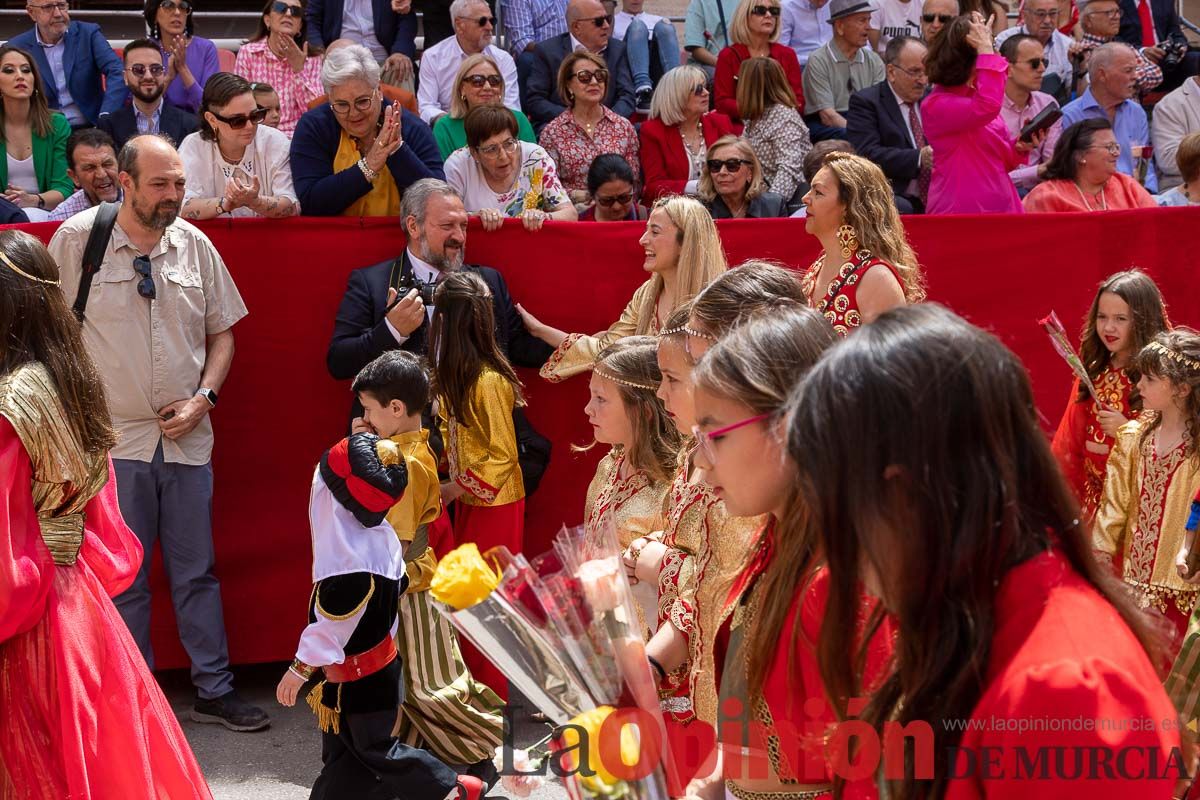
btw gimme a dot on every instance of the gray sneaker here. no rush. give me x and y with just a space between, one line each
231 711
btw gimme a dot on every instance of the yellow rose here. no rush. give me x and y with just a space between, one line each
591 722
463 578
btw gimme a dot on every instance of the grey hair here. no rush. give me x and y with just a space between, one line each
415 201
1102 57
353 62
459 8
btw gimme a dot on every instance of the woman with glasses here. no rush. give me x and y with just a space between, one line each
190 60
611 186
234 164
775 128
480 83
587 128
33 172
500 177
1082 174
279 54
357 153
754 32
733 187
676 138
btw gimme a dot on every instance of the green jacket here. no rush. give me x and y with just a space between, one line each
49 158
451 135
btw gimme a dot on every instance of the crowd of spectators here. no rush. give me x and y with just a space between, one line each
330 107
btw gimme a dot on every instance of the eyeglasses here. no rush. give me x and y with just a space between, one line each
492 150
239 121
715 165
1113 149
1112 13
51 7
585 76
705 441
495 81
1034 63
482 22
615 200
145 286
279 7
942 18
600 22
913 72
176 5
700 90
342 107
139 70
762 11
1049 13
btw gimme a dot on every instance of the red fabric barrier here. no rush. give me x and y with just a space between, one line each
280 409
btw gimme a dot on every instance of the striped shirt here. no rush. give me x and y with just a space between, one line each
532 21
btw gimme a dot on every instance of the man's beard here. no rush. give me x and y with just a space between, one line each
159 217
441 261
136 91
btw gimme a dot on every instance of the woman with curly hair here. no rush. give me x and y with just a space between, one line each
867 265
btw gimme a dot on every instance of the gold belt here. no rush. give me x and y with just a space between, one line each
63 537
744 794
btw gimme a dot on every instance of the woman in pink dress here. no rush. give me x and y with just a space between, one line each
81 716
972 149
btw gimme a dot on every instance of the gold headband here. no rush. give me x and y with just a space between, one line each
603 373
4 257
1175 355
688 331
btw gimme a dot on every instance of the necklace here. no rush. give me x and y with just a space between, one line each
1088 205
695 154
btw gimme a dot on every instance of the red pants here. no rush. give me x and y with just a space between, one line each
488 527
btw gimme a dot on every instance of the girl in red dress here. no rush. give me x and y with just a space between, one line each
1019 661
1127 312
81 716
867 265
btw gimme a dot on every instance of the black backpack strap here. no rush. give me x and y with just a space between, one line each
93 254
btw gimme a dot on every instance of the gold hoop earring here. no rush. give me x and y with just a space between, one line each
849 240
463 97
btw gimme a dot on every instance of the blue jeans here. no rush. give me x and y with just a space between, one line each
664 48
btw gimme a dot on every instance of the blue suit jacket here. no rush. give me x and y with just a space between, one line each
88 55
325 193
543 103
396 32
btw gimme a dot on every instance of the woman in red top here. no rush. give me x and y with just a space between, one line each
676 138
754 31
1126 314
1022 669
867 265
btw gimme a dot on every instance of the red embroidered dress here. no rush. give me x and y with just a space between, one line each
839 303
1081 445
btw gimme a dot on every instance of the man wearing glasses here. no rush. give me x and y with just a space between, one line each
1023 101
589 27
1101 21
158 322
75 59
147 80
1039 19
474 29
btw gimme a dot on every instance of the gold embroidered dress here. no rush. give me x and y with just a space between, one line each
634 503
577 353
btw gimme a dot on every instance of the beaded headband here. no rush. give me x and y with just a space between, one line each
4 257
688 331
1175 355
603 373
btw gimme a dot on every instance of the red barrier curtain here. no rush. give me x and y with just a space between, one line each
280 409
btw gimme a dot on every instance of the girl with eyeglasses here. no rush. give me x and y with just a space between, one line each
733 184
754 33
279 54
614 195
676 137
33 172
1082 174
234 164
190 60
587 128
480 83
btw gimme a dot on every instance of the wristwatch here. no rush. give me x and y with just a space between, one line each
209 395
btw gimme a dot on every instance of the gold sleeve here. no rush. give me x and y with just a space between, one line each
421 503
483 455
420 571
1118 504
578 351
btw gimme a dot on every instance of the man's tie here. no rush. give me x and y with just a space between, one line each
924 176
1147 21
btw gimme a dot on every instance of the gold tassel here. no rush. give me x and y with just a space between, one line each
328 719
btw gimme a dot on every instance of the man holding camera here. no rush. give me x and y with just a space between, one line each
388 306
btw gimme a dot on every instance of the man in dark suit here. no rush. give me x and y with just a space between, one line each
147 80
390 33
1156 40
74 58
589 27
884 123
436 223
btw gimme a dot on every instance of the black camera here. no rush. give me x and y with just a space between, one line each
1174 51
424 289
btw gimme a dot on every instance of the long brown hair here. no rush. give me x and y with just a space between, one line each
746 289
301 36
941 506
1175 356
632 365
39 327
39 109
462 342
1149 312
762 84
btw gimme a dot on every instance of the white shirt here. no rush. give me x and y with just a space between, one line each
267 158
22 175
358 25
623 18
54 54
439 66
894 18
913 188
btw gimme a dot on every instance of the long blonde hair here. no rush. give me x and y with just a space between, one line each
701 256
739 26
632 365
762 84
865 193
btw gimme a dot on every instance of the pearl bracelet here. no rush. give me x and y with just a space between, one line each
367 172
